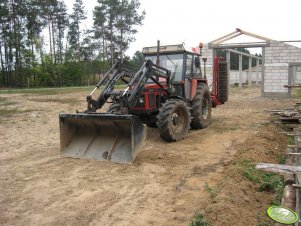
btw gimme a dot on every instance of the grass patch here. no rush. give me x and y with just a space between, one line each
6 112
210 190
281 158
71 101
5 102
222 125
46 91
268 182
291 140
10 112
199 220
52 91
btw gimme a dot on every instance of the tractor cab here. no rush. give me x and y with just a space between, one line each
183 64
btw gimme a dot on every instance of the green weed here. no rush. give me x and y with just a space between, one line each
281 158
198 220
210 190
268 182
291 140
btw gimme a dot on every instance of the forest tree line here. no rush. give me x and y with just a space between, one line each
42 45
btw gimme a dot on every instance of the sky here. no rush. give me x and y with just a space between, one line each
195 21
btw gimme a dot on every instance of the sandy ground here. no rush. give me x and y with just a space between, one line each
165 185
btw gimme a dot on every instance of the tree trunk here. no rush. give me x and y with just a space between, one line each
112 47
2 66
53 41
121 47
8 56
16 43
103 52
32 52
60 47
50 40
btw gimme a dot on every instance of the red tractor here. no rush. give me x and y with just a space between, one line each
169 92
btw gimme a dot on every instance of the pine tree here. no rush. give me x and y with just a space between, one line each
127 18
115 21
74 33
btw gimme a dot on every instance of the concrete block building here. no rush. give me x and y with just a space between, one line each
282 67
281 62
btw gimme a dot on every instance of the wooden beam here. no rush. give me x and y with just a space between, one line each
278 168
225 36
255 36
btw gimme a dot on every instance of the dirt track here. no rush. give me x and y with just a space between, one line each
165 186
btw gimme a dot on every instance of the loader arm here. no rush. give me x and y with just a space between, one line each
117 72
147 71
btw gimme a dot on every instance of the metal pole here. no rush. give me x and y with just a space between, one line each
250 72
257 71
228 68
262 71
158 53
240 70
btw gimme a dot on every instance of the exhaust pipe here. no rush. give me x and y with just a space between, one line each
106 137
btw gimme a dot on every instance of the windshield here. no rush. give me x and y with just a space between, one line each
173 62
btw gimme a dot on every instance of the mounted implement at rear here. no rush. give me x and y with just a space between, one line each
172 95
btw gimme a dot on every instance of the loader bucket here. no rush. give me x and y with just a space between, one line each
108 137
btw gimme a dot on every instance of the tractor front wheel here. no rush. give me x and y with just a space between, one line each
115 107
173 120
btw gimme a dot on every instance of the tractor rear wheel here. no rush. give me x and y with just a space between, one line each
201 107
173 120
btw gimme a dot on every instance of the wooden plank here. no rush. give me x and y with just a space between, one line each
279 110
297 186
278 168
295 154
292 86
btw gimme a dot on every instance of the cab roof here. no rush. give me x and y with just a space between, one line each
178 48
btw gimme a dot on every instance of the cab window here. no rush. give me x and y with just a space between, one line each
189 64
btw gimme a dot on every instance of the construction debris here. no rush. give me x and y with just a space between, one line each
290 118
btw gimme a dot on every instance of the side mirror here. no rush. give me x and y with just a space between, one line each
197 62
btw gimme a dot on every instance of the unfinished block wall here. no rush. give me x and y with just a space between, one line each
278 57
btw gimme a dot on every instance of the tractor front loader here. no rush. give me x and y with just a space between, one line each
172 95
